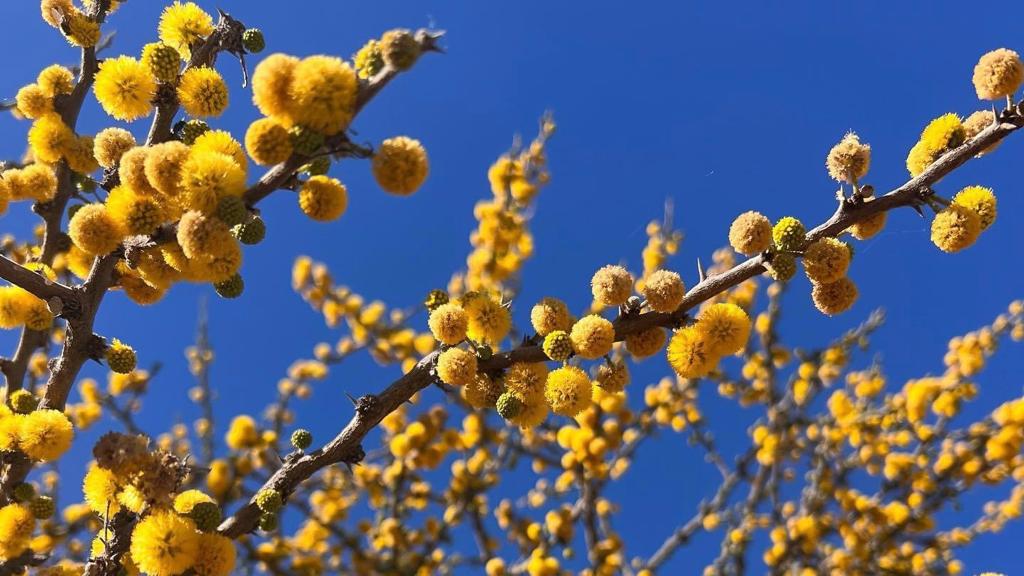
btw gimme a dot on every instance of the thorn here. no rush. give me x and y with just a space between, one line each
700 271
917 208
352 398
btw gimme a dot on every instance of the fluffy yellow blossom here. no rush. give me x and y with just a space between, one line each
56 79
268 142
550 314
110 144
826 260
834 297
216 556
448 323
202 92
164 544
664 291
45 435
16 524
323 198
323 92
270 85
724 327
242 433
49 138
689 355
527 380
981 201
870 226
134 213
400 165
100 489
125 88
611 285
93 230
849 160
163 167
998 74
32 102
568 391
208 177
456 366
750 233
184 24
975 123
489 321
646 342
956 227
592 337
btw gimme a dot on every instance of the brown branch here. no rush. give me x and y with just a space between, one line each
370 410
37 284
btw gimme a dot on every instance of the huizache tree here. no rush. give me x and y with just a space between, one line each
845 472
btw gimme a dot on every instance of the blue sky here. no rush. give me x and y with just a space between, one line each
723 107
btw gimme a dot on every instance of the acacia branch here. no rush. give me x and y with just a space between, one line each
370 410
36 284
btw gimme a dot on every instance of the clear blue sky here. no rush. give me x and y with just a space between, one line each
724 107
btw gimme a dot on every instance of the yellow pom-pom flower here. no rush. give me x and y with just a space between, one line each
270 85
184 24
835 297
955 228
80 155
448 324
268 142
164 544
526 380
869 227
664 291
100 488
849 160
209 176
826 260
323 198
49 138
550 314
975 123
45 435
400 165
135 214
216 556
56 79
489 321
132 170
16 524
93 230
110 144
750 233
981 200
998 74
689 355
323 89
592 337
38 181
568 391
646 342
456 366
32 102
202 92
125 88
611 285
724 327
221 141
201 236
163 167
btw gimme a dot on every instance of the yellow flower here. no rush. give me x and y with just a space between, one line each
125 88
527 380
550 314
242 433
33 102
216 556
163 168
849 160
689 354
664 290
981 200
834 297
268 142
323 198
202 92
724 328
182 25
209 176
100 489
611 285
998 74
826 260
592 337
568 391
45 435
184 501
49 138
323 90
448 323
955 228
93 230
56 79
16 526
221 141
270 83
489 321
456 366
110 144
400 165
135 213
164 544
